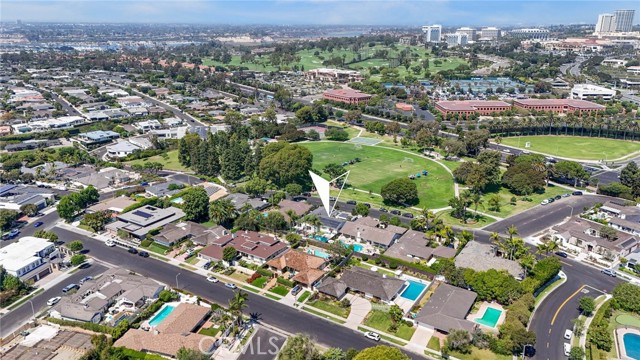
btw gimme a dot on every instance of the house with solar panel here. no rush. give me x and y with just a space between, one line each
139 222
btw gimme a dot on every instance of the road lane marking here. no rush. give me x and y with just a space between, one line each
565 263
547 345
565 302
549 331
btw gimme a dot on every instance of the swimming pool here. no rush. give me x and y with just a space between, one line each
413 291
178 200
632 345
357 248
319 253
324 239
490 317
161 315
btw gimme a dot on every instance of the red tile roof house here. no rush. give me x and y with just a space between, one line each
252 246
558 105
307 270
347 96
482 107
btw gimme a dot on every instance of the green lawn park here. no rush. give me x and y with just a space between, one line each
171 163
575 147
378 166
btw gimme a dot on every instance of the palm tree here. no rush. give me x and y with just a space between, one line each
477 200
547 246
222 211
237 303
497 242
293 217
527 262
313 220
512 230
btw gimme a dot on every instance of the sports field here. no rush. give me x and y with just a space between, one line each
575 147
378 166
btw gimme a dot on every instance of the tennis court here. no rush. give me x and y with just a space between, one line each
365 141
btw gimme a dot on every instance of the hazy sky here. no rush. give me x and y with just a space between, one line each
330 12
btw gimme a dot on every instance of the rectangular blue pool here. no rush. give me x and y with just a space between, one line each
324 239
357 248
161 315
319 253
632 345
490 317
413 291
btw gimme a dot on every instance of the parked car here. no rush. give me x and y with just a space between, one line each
367 205
132 251
371 335
206 265
38 224
13 233
577 193
53 300
566 195
562 254
85 279
143 254
550 200
558 197
110 243
351 202
213 279
395 212
296 289
544 202
568 334
609 272
70 287
231 285
408 215
383 210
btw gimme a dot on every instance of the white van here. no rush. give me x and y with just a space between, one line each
567 349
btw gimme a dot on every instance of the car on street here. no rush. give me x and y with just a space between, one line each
143 254
568 334
566 195
53 301
13 233
408 215
38 224
567 349
550 200
110 243
383 210
212 279
367 205
372 335
85 279
577 193
70 287
544 202
351 202
132 251
395 212
562 254
231 285
557 197
609 272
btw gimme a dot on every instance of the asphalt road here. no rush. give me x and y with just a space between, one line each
14 319
283 317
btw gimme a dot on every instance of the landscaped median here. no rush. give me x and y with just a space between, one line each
546 290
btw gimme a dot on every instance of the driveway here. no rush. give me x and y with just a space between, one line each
360 307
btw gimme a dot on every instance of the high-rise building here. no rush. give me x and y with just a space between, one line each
606 23
624 20
490 33
471 32
432 33
457 39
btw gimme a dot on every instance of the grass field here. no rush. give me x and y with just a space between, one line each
171 163
330 307
484 354
313 59
473 221
576 147
381 320
506 209
378 166
628 319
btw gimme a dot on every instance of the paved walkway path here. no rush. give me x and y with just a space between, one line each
360 307
420 339
267 286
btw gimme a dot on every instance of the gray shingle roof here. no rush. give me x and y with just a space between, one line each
447 309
